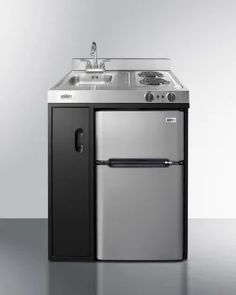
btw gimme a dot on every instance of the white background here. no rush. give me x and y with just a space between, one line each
38 40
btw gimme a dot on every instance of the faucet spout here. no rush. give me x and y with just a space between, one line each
93 53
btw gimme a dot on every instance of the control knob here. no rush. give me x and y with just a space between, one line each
149 96
171 96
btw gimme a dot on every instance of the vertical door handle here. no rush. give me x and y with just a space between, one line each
79 140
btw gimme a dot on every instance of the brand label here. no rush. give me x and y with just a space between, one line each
66 96
170 120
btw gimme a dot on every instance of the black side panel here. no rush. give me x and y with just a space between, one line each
70 182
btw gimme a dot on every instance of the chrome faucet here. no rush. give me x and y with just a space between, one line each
93 53
92 64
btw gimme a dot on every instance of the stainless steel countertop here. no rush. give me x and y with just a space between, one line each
120 83
121 80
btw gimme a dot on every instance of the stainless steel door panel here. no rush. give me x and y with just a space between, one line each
139 134
139 213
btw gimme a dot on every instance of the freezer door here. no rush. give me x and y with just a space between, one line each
139 134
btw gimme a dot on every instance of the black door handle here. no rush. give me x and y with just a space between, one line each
79 140
138 163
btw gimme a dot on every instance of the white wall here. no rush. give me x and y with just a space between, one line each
38 39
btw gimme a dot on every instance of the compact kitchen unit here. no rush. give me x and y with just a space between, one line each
118 162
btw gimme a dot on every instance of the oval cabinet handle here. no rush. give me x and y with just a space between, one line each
79 140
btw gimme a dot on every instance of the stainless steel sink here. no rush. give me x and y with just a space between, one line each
80 80
90 79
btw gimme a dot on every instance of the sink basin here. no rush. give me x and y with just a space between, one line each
80 80
91 79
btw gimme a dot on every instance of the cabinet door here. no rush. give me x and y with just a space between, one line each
70 206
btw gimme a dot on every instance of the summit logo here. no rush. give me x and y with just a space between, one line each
66 96
170 120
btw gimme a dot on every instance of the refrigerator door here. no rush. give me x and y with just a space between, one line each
139 210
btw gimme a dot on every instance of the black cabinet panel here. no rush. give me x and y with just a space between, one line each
70 202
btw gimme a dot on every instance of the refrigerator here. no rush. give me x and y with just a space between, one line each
139 184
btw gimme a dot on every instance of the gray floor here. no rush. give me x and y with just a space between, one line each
210 269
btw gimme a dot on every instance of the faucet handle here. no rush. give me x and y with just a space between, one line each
89 65
102 63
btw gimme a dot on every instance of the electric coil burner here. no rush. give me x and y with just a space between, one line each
152 78
153 81
150 74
